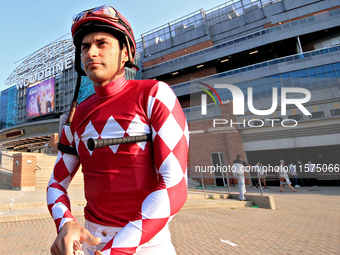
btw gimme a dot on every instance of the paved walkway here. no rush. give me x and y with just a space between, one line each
305 222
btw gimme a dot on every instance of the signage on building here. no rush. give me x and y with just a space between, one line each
11 134
40 99
46 70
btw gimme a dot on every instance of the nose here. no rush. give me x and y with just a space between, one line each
93 51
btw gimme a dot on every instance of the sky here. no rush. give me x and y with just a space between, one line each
28 25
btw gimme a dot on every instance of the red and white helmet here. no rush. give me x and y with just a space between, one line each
103 18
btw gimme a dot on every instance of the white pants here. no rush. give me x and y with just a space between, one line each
159 244
241 184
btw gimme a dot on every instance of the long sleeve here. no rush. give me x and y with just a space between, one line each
170 148
65 168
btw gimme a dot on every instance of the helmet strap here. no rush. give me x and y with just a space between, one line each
129 49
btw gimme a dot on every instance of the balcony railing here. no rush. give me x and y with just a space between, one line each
245 38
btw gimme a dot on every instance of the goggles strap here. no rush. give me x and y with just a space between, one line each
129 49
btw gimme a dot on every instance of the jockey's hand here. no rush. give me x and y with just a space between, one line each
70 232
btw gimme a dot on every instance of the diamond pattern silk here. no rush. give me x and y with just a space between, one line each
138 186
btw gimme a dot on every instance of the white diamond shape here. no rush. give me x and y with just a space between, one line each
58 210
171 132
151 102
154 133
68 133
60 156
112 129
137 127
76 140
53 195
89 132
166 95
130 236
171 171
70 162
186 133
158 199
66 182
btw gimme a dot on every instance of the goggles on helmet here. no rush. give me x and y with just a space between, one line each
101 11
110 17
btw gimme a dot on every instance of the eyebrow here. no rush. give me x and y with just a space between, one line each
100 39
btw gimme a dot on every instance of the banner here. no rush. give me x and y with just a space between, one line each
40 99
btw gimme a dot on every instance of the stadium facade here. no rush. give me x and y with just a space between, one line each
275 53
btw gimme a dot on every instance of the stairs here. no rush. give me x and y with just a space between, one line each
193 184
6 163
206 200
45 165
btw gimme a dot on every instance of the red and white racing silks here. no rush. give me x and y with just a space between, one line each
138 186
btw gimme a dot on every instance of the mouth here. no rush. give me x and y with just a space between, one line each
93 64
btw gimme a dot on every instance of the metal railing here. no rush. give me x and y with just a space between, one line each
245 38
260 65
6 162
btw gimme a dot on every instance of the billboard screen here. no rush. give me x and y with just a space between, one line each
40 99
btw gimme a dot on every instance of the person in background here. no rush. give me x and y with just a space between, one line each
300 172
262 174
293 172
238 170
283 175
312 174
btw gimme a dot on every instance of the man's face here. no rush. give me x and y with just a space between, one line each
102 58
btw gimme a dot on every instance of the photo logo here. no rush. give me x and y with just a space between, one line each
204 98
239 101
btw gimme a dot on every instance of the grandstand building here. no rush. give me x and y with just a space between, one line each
265 48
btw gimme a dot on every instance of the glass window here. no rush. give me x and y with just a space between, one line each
252 83
297 117
294 74
269 88
255 92
311 71
227 95
337 66
331 75
277 84
302 73
243 84
314 81
267 80
260 81
320 70
316 115
329 68
286 83
305 83
323 79
284 75
296 82
262 90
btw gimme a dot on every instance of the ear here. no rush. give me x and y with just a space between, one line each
125 55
